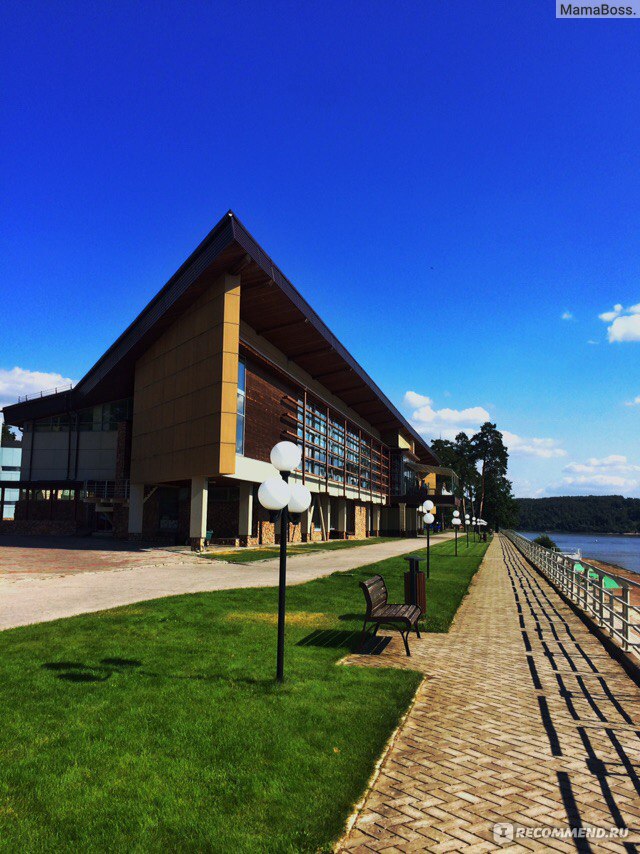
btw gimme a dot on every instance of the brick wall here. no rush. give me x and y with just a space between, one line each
360 520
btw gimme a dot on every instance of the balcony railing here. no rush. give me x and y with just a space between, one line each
584 584
45 392
105 490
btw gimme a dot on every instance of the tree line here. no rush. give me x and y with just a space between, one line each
597 514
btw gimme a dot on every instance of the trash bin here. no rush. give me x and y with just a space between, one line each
415 588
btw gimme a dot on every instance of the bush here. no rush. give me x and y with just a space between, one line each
545 541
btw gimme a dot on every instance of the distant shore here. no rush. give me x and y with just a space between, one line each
588 533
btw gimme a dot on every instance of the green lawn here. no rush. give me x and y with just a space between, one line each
158 725
250 555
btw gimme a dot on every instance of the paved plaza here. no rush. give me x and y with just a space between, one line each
523 718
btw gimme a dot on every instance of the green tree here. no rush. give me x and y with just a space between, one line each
459 456
9 438
481 462
545 541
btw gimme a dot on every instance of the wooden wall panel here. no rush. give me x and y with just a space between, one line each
184 404
265 411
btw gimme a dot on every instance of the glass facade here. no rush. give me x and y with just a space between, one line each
337 450
10 470
105 417
241 405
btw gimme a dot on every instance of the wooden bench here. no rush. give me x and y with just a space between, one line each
379 611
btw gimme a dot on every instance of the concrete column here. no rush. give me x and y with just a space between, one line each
375 519
198 520
245 520
136 507
402 517
341 522
325 507
305 523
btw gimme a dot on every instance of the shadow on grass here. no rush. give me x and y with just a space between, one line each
334 638
75 671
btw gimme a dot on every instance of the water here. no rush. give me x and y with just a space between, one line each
611 548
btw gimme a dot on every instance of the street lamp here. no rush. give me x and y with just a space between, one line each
284 502
456 524
429 518
467 521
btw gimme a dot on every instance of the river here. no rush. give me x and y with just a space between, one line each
611 548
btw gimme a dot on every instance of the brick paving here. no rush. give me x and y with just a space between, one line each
522 718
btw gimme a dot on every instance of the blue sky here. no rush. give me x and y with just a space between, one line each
441 181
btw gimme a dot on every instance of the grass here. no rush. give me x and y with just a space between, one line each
158 725
253 554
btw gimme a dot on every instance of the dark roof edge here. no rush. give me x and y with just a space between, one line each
251 245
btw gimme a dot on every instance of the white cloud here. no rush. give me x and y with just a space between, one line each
447 423
521 446
443 423
634 402
626 328
591 341
600 483
17 382
624 323
600 466
414 400
566 315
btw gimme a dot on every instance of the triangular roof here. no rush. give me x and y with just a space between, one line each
270 304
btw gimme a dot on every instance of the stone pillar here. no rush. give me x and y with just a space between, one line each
198 519
245 518
341 522
402 518
136 507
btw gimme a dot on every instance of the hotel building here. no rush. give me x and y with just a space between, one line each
167 437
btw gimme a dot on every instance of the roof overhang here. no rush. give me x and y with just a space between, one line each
270 304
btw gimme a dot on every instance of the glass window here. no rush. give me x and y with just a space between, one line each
241 406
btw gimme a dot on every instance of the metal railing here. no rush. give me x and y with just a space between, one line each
105 490
45 392
584 584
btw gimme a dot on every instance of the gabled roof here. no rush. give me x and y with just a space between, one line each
270 305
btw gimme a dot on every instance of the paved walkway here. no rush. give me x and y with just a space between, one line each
121 577
523 718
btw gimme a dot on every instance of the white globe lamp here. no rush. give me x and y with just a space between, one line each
429 518
286 456
274 493
300 498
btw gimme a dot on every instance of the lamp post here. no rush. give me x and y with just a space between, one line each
456 524
284 502
429 518
467 521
